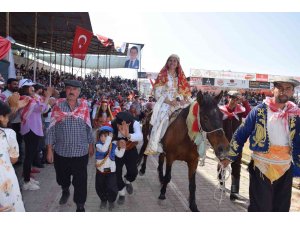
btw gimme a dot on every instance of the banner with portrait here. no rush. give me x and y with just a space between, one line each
133 60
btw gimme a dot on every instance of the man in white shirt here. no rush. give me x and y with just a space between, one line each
126 129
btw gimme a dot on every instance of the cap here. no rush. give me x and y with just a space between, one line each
25 82
73 83
106 128
39 86
124 116
295 83
234 94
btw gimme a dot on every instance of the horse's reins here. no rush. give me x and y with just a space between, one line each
222 171
223 175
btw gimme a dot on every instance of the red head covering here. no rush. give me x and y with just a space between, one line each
162 78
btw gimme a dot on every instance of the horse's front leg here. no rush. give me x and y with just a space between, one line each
192 185
166 180
143 167
160 168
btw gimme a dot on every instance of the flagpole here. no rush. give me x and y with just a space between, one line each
81 68
72 64
85 68
51 42
7 24
98 62
109 64
60 57
65 56
35 37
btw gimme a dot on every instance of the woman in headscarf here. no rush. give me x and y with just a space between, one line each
103 111
172 91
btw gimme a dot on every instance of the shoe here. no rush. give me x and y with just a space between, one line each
34 181
111 205
80 208
103 204
34 170
64 197
121 200
234 196
129 188
30 186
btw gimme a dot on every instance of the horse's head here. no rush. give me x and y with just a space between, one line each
212 123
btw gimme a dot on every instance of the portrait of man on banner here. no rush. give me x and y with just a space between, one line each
133 57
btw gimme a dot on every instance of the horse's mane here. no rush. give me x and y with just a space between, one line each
208 101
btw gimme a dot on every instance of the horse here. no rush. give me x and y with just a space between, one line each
179 146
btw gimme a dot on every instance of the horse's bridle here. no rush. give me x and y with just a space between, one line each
209 132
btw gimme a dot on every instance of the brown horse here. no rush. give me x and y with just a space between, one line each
179 146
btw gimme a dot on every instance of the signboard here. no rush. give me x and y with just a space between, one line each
221 74
147 75
249 76
231 83
208 81
262 77
258 84
195 81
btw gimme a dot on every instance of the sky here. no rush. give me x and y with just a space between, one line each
241 42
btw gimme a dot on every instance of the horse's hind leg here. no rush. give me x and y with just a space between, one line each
143 167
192 185
166 180
160 167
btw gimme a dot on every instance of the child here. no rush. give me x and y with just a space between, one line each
106 179
10 195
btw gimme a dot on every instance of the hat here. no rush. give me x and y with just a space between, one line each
234 94
295 83
124 116
106 128
73 83
39 86
25 82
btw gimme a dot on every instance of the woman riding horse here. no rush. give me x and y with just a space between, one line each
172 91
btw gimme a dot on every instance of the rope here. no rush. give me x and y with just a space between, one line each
223 175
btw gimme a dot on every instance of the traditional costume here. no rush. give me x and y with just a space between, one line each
106 179
275 142
131 155
165 87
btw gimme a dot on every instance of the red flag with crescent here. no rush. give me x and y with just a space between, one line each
104 40
81 43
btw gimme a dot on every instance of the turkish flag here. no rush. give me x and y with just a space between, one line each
5 46
81 43
104 40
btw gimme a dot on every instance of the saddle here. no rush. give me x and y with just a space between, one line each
174 115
